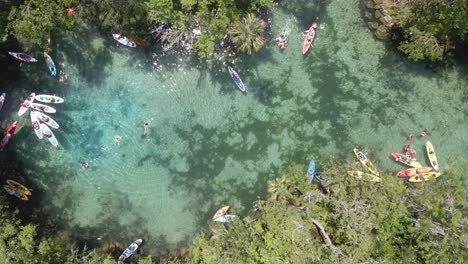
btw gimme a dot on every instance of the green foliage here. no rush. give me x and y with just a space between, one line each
247 34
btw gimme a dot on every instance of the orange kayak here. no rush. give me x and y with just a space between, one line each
222 211
413 171
309 37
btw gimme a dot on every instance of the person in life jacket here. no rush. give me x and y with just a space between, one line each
281 41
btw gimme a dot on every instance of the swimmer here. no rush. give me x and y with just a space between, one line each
117 139
146 128
423 134
410 136
84 165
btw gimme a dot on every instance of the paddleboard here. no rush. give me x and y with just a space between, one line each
19 187
364 176
43 108
225 218
36 125
51 99
222 211
50 63
26 104
124 40
46 119
432 156
237 80
129 251
49 135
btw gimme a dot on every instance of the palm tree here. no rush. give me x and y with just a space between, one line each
247 34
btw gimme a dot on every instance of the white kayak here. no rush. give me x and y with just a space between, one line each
124 40
43 108
26 104
49 135
22 56
36 125
51 99
45 119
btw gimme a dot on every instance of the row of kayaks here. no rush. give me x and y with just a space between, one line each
418 172
17 189
28 58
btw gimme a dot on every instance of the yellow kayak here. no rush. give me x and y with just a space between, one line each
365 162
432 156
222 211
19 187
364 176
12 191
425 177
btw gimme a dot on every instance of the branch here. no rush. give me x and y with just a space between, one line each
324 235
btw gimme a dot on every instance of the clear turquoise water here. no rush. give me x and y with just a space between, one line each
211 145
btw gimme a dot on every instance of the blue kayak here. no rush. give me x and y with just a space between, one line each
311 169
50 64
237 80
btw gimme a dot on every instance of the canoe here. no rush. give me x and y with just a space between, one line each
309 39
364 176
2 100
129 251
51 99
432 156
365 162
124 40
49 135
237 80
50 63
26 104
46 119
222 211
36 125
225 218
405 160
22 57
425 177
43 108
19 187
413 171
8 135
12 191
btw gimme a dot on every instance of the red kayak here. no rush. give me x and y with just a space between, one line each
309 37
405 160
413 171
9 134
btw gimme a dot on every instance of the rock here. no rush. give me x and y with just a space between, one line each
387 20
370 4
378 2
373 25
382 32
377 14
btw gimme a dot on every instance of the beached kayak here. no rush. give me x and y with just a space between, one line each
124 40
225 218
432 156
425 177
365 162
364 176
2 100
413 171
309 39
129 251
50 64
22 57
43 108
19 187
49 135
12 191
222 211
36 125
46 119
26 104
51 99
405 160
237 80
8 135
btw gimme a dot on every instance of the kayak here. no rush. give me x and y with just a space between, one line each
365 162
432 156
2 100
49 135
46 119
36 125
405 160
43 108
237 80
9 135
225 218
309 37
124 40
22 57
311 169
222 211
26 104
413 171
19 187
129 251
425 177
364 176
12 191
50 63
51 99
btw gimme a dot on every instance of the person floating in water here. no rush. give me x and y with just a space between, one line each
281 41
423 134
84 165
62 76
117 139
146 128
